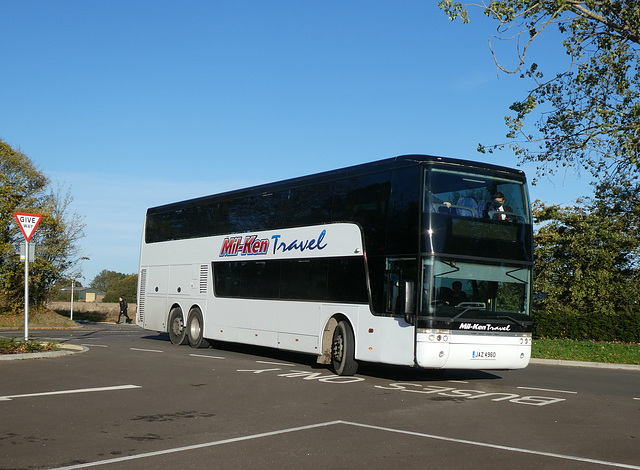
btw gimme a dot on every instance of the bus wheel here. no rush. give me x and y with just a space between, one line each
195 330
177 330
343 350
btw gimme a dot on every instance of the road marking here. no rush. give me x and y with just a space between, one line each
258 371
66 392
94 345
275 363
206 355
498 446
196 446
636 398
146 350
547 390
347 423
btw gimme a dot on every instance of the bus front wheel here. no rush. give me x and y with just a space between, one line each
343 350
177 330
195 330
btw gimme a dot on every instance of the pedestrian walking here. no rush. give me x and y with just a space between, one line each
123 311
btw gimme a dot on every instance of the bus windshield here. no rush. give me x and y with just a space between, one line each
460 290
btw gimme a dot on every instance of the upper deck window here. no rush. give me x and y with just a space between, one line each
474 195
480 214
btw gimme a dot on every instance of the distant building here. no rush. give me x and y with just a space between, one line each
86 294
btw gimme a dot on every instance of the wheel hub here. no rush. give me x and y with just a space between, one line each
337 348
177 326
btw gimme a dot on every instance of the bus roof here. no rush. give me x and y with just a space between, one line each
355 170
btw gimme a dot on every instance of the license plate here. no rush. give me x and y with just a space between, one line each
484 355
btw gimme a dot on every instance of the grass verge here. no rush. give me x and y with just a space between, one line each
37 319
14 346
586 351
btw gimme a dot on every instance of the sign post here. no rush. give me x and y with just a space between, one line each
28 224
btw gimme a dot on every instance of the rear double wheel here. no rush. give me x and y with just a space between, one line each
195 330
343 350
177 328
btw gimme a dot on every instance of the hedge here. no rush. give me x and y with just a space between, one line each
566 324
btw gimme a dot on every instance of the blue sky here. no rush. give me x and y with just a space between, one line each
133 104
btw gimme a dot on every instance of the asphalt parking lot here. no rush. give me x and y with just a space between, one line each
127 398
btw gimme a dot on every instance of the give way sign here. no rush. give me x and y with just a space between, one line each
28 223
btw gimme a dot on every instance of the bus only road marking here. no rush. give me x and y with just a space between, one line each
275 363
546 390
450 392
470 394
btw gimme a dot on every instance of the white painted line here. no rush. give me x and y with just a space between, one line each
275 363
497 446
546 390
258 371
66 392
331 423
196 446
636 398
458 381
146 350
206 355
89 345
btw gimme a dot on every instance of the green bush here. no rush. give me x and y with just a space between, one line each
563 323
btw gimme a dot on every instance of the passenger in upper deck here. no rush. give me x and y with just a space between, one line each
438 205
493 208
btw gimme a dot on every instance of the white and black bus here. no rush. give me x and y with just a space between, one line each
405 261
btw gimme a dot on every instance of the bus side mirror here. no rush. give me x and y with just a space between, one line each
409 301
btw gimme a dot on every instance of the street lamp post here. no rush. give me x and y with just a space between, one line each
72 283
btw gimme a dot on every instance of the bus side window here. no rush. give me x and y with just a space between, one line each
400 287
391 291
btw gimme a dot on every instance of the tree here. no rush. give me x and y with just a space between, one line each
590 113
116 284
126 287
23 188
586 263
105 279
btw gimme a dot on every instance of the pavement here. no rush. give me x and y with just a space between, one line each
595 365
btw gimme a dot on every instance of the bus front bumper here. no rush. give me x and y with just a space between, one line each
445 349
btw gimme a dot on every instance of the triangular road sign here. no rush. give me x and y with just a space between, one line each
28 223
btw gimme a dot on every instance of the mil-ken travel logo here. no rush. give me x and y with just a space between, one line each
252 245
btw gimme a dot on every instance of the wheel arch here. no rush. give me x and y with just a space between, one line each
194 307
327 336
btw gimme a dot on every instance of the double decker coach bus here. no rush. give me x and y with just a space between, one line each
402 261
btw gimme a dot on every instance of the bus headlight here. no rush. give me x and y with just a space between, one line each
433 336
526 340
